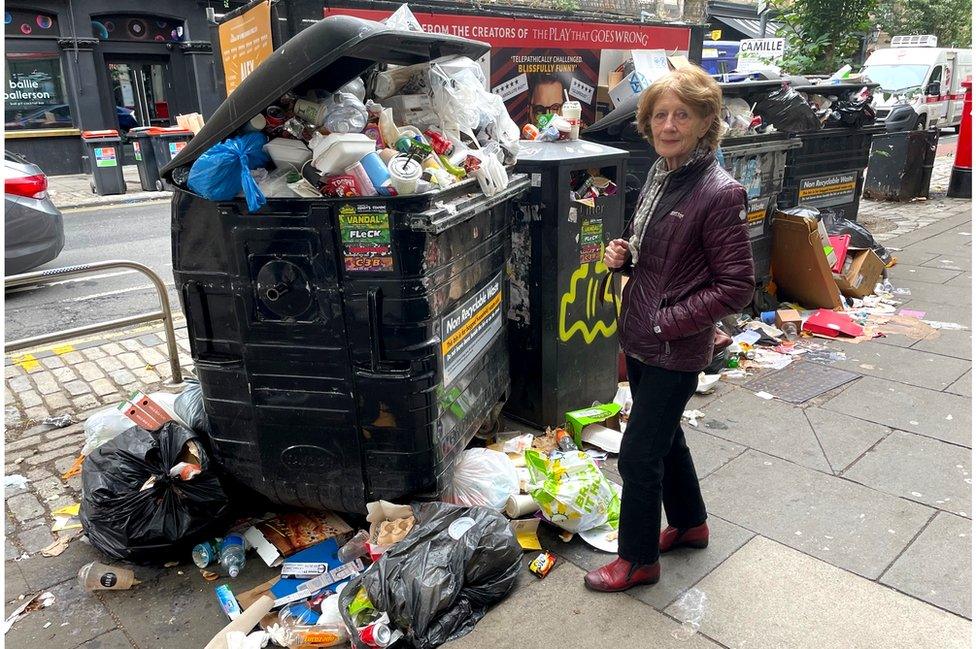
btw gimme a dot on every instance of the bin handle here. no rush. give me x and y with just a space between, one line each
374 297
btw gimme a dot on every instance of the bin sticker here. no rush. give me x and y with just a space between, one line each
105 156
175 147
591 240
756 218
833 189
365 233
137 150
469 329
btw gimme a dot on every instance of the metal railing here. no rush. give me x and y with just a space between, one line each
48 276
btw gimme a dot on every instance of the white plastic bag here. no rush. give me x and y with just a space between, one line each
404 19
103 426
483 477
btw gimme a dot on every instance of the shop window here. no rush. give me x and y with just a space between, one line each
26 22
35 95
139 28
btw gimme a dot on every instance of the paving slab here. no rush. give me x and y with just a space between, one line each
773 427
559 612
708 451
680 569
770 596
963 387
956 259
922 274
14 585
84 614
919 468
913 256
954 344
957 312
907 408
111 640
913 366
964 280
843 438
43 572
170 609
937 566
843 523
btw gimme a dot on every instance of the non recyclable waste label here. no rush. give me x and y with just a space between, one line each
825 191
105 157
756 218
365 234
591 240
468 330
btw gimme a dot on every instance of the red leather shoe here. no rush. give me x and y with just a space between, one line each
692 537
620 575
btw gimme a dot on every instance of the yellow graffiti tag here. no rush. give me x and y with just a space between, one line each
592 303
27 361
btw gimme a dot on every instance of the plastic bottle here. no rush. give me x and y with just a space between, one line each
565 441
232 554
205 553
355 547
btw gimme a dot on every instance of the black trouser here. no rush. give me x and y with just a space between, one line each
655 462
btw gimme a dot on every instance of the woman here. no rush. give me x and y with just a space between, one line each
690 264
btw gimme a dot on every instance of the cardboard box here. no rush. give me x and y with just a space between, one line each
799 266
860 277
649 65
789 315
607 414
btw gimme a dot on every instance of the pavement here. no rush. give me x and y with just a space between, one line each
74 190
845 521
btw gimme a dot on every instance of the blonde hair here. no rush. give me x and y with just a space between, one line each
694 87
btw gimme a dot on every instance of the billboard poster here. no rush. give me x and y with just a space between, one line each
245 41
534 61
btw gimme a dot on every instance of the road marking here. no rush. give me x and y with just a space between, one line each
27 361
118 292
62 349
115 206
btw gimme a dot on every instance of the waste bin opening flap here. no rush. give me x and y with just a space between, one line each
325 56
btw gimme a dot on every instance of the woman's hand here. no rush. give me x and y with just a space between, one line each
617 254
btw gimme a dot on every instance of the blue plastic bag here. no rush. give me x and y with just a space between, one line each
224 170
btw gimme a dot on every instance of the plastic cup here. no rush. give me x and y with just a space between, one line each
405 172
572 112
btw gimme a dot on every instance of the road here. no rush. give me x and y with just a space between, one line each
138 233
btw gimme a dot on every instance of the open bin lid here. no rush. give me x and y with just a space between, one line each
326 55
618 120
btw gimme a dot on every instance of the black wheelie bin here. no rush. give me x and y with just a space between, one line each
332 379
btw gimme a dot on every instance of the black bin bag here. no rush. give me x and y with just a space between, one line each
440 580
133 510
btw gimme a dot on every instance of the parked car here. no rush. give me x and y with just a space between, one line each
33 227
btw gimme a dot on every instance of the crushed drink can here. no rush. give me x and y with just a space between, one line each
376 635
542 564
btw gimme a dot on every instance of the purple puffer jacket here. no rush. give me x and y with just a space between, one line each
694 268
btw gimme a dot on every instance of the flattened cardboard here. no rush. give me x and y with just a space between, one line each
799 266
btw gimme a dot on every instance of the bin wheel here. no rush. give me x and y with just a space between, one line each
92 186
159 185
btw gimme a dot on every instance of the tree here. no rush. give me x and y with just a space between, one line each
822 35
950 20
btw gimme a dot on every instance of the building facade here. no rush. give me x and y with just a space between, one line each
101 64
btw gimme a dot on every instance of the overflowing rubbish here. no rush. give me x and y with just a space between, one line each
483 477
542 564
439 581
128 479
223 172
571 490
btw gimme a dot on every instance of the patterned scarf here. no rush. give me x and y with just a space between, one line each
651 194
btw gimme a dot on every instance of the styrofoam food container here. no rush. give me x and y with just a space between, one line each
337 151
287 152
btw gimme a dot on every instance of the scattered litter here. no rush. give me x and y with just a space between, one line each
66 518
15 481
98 576
764 395
518 444
707 383
825 356
602 538
571 490
483 478
46 625
59 546
948 417
690 610
911 313
37 602
769 359
948 326
602 437
913 423
692 416
58 422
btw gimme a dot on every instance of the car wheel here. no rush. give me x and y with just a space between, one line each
920 123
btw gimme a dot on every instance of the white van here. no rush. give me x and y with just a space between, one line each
921 84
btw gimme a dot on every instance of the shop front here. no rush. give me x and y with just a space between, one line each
72 67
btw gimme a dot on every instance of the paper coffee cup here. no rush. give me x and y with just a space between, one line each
572 111
521 505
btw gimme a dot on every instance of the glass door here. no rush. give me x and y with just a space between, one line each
139 89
